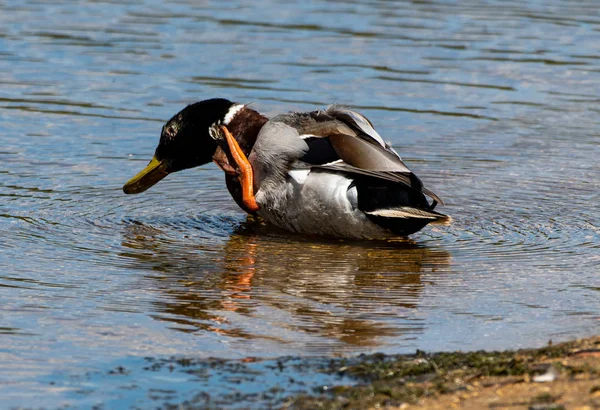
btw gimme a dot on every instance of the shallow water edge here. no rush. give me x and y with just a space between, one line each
514 378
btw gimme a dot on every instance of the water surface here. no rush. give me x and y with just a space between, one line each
494 105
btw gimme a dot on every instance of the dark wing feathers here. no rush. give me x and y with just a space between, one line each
400 177
320 151
350 137
358 122
408 179
362 154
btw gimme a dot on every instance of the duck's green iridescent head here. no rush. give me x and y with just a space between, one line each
184 143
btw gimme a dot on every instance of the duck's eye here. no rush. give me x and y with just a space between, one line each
170 131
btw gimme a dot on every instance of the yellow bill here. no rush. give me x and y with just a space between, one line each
154 172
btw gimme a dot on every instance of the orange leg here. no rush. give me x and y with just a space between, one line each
246 174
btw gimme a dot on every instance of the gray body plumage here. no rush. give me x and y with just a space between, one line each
303 200
323 198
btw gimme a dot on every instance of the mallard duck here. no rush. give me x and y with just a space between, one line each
325 172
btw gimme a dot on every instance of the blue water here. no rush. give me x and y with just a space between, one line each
493 104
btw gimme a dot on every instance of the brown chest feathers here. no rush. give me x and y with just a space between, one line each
244 127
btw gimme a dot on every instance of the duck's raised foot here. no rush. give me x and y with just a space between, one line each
246 175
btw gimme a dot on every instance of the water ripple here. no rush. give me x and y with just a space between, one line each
493 105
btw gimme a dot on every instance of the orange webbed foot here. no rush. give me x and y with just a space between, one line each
246 175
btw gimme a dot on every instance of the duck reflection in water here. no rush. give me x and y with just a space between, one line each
267 284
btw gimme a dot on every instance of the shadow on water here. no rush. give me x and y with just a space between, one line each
353 293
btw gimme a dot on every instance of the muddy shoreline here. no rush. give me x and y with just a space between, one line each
562 376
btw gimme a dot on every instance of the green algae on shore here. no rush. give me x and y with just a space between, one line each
398 381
